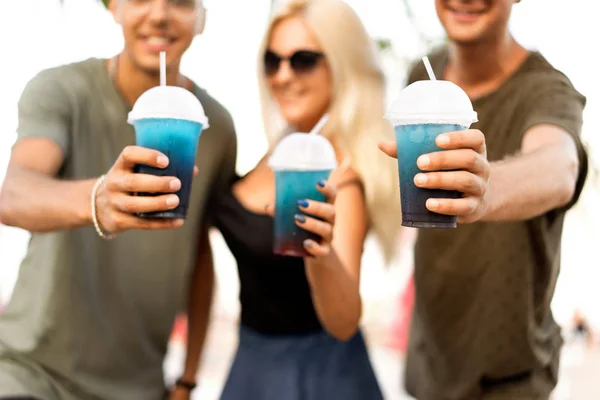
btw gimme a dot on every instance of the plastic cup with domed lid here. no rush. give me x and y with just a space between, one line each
169 119
421 112
300 161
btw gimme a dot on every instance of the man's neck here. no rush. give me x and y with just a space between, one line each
132 81
481 68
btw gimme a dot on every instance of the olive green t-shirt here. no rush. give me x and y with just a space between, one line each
89 318
482 314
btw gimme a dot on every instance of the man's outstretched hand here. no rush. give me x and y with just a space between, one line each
462 166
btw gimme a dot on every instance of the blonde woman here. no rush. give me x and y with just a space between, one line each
299 335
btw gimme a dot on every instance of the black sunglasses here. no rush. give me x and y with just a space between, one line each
301 62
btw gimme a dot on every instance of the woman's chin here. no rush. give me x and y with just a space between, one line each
295 121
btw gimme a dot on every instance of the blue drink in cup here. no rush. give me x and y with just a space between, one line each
169 119
178 140
291 186
421 112
412 141
299 161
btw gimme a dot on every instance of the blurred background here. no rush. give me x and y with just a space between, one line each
39 34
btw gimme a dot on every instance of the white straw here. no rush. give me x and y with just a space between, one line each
428 68
317 128
163 69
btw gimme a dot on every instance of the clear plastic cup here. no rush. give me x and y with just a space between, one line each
299 161
169 119
421 112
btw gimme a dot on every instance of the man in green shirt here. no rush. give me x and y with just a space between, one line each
91 318
482 326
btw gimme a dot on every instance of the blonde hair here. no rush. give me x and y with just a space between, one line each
356 121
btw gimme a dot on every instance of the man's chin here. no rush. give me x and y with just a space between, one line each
150 64
465 38
467 34
150 61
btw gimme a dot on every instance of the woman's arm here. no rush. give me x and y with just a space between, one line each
334 271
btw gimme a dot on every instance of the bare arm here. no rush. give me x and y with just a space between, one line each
199 306
540 179
334 275
35 200
335 280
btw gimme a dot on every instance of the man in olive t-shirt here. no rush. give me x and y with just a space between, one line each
91 318
482 326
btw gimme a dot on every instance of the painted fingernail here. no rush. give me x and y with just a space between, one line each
308 244
300 218
303 203
432 203
423 161
172 201
162 161
321 183
420 179
175 184
443 140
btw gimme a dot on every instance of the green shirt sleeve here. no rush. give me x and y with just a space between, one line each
556 102
44 110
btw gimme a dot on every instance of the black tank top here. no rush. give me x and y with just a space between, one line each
274 291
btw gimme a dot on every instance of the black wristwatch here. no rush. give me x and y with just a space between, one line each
188 385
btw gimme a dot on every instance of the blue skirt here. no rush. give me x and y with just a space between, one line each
306 367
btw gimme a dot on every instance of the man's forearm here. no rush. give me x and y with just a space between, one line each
199 307
40 203
530 185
